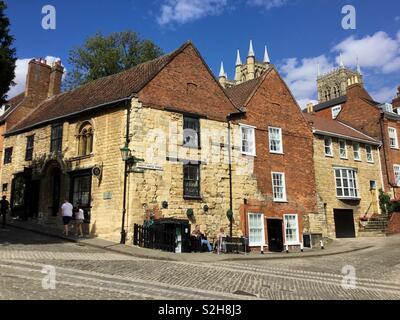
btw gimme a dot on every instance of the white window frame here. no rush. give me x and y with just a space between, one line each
335 111
257 244
253 129
345 149
396 167
358 151
297 240
369 153
284 198
280 151
355 188
393 135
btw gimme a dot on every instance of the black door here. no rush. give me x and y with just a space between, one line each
275 235
56 191
34 198
344 223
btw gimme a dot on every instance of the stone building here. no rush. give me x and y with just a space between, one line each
43 81
250 70
171 112
380 121
348 177
277 138
335 83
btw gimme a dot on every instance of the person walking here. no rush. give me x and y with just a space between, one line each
66 212
4 207
79 217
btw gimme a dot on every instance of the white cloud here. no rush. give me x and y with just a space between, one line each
301 76
384 94
21 71
397 19
183 11
378 51
267 4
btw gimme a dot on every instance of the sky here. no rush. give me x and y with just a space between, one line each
299 34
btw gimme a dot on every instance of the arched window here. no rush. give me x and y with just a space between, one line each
85 139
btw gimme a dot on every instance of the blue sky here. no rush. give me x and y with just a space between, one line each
299 34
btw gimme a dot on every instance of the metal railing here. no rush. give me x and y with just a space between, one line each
153 237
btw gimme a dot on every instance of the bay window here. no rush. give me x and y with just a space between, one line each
346 183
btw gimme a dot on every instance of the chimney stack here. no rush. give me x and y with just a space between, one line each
396 101
37 80
310 107
56 74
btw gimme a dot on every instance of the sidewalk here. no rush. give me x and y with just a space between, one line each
335 247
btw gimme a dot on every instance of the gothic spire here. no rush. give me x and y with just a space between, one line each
238 59
341 63
222 71
251 50
358 66
266 56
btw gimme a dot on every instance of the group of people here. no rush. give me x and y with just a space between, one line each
220 239
68 211
71 213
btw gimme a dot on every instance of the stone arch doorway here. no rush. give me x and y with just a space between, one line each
53 184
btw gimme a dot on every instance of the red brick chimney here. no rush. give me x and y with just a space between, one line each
42 81
55 79
37 80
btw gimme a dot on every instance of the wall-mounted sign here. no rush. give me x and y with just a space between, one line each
150 166
107 195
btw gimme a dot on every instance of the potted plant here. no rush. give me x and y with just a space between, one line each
363 221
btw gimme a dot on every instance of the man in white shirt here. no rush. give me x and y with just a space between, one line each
67 212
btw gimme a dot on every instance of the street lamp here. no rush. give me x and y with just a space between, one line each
130 162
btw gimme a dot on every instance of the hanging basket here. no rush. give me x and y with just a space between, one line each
229 214
190 213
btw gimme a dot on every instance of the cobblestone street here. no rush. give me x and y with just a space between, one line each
84 272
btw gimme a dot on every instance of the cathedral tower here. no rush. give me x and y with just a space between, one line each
334 84
252 69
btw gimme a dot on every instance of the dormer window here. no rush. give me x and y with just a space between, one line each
335 111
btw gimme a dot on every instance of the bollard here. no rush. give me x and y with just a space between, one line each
322 244
302 247
262 249
287 248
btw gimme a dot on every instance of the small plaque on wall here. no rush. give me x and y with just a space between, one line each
107 195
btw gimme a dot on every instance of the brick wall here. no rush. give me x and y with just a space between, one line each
273 105
394 223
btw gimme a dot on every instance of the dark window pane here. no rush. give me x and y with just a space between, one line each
191 180
29 148
8 155
191 132
56 138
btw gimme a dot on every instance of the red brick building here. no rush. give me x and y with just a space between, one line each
380 121
283 157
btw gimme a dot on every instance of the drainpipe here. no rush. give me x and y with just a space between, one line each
126 174
229 118
385 153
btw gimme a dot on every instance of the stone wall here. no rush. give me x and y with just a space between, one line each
323 221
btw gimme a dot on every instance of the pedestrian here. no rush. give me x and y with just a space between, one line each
79 217
201 237
4 207
66 212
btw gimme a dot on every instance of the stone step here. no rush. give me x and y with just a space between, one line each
364 233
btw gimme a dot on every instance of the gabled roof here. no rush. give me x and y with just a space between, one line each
239 94
335 128
13 104
242 93
97 93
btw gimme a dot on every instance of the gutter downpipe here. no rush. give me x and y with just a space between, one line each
385 153
229 118
126 174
